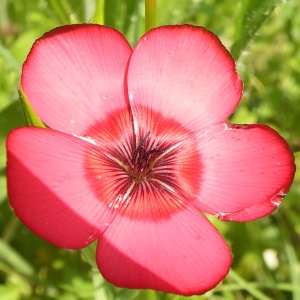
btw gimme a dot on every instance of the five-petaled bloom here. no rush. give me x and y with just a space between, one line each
138 146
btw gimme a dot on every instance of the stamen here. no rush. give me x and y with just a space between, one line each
138 149
142 160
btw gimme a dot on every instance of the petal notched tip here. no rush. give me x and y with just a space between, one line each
254 212
248 169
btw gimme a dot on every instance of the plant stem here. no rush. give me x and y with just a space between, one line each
100 291
150 14
99 12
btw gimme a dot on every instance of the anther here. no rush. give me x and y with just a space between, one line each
140 147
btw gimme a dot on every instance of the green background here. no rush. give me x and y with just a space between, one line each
264 37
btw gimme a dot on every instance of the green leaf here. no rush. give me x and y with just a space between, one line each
9 58
255 14
14 260
89 254
31 118
132 8
294 272
247 286
10 117
77 288
112 13
150 14
63 11
119 14
98 17
2 187
297 155
9 292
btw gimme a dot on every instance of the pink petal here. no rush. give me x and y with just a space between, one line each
74 75
182 254
246 171
186 73
50 189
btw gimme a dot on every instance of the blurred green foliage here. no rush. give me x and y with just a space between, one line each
264 37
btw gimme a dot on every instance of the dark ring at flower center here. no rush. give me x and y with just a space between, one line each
148 171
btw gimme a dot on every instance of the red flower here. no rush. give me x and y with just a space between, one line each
138 145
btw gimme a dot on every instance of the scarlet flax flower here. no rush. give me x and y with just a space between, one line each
138 146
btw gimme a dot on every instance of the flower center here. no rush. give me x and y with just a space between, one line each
149 169
143 161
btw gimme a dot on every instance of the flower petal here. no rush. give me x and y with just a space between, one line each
183 254
186 73
49 187
74 75
246 171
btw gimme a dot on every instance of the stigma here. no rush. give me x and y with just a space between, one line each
143 161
